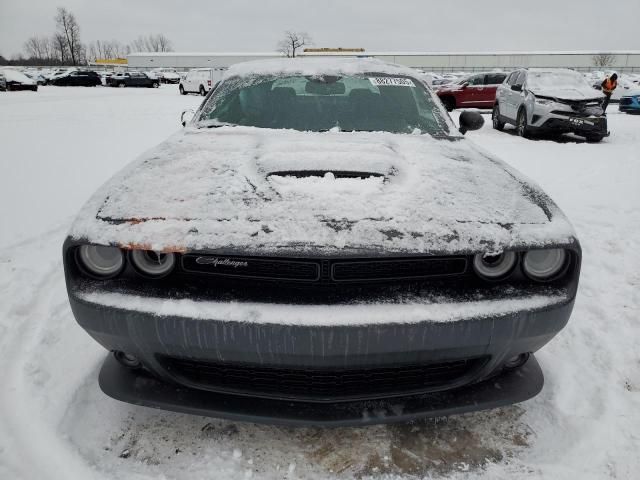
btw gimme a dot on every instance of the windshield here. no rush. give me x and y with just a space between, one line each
560 79
372 102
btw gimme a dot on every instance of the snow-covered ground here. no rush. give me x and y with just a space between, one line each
58 145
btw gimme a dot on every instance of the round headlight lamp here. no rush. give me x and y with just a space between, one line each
544 265
101 261
494 267
153 264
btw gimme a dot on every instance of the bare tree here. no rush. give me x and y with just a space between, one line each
105 49
603 60
68 27
37 47
59 48
292 42
152 43
164 44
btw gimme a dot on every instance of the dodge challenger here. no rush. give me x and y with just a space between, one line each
321 245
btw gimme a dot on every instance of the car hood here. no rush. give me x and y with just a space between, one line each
245 189
568 93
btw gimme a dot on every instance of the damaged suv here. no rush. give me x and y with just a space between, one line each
550 101
321 245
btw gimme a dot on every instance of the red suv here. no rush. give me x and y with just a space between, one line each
478 91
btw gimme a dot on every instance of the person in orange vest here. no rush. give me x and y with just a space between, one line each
608 86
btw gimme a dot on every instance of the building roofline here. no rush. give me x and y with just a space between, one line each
387 54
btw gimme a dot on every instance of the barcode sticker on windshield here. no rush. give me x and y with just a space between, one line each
391 82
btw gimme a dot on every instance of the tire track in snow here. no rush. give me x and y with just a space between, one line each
35 450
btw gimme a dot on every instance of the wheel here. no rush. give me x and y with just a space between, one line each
594 138
521 124
182 92
495 117
155 84
121 85
203 92
449 103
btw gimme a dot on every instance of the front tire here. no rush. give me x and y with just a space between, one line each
522 127
182 92
495 117
594 138
203 92
121 85
155 84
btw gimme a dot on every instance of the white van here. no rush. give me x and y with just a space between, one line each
200 80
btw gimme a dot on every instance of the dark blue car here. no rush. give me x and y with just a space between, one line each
630 103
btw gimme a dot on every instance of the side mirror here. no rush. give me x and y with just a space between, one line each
186 116
470 120
516 88
464 85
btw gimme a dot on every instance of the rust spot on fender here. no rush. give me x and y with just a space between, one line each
147 246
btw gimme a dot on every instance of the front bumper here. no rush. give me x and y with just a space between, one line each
137 388
588 126
152 335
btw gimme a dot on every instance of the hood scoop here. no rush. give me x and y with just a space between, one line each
323 173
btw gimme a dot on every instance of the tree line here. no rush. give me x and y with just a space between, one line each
65 46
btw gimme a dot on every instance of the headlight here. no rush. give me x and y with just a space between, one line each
544 101
544 264
101 261
494 267
153 264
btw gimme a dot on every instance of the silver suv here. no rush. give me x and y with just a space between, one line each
552 101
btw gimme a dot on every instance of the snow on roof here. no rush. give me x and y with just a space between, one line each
317 66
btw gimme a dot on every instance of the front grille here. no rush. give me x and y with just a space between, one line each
252 267
320 385
396 269
325 271
571 114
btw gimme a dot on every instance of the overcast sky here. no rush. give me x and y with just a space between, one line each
411 25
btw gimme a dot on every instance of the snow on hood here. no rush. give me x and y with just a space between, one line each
568 93
223 189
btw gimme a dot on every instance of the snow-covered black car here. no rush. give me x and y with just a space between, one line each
14 80
321 245
77 78
132 79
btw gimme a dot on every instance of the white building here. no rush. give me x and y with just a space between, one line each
621 61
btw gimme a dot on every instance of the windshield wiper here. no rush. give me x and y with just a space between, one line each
213 123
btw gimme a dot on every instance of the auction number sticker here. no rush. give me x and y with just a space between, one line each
391 82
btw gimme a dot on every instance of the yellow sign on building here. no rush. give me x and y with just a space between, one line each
110 61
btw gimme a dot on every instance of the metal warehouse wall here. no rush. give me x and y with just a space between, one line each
436 62
627 62
186 61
